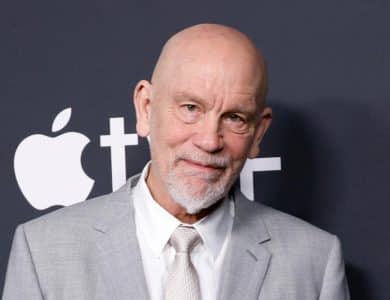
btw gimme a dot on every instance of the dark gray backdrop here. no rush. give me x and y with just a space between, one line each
329 88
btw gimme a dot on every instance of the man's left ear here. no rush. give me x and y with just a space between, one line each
266 119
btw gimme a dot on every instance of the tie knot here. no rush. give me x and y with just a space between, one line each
184 239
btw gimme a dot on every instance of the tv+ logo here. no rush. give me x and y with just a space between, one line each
48 169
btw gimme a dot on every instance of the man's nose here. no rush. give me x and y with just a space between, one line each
209 136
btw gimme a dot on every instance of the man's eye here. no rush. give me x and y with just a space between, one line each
236 118
236 123
189 113
190 107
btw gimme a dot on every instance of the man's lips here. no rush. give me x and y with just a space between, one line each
203 166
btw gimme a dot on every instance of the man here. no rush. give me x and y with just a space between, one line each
181 230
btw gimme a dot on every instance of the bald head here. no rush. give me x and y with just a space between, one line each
214 48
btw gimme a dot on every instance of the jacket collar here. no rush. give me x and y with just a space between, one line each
247 258
117 251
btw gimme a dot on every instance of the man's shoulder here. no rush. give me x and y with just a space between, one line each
80 218
291 238
285 227
279 221
86 211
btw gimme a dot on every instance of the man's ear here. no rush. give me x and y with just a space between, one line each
142 105
266 119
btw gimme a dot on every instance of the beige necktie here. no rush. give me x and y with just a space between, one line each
182 281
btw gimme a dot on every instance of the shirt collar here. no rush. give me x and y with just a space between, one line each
157 224
215 227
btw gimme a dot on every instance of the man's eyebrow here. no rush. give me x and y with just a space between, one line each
239 107
187 96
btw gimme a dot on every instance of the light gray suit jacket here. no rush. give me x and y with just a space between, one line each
90 251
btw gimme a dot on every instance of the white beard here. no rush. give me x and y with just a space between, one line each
193 197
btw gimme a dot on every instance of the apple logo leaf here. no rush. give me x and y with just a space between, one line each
61 120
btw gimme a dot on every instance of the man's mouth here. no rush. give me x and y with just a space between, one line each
205 167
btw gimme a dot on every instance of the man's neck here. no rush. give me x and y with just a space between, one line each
181 214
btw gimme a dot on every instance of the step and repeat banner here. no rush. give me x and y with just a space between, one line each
68 69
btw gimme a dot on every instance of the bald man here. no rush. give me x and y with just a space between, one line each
204 114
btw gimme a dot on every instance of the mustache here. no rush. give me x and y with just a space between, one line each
215 160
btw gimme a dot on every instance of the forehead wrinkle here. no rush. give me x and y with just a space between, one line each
200 85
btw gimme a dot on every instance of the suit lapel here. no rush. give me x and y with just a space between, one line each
247 258
117 251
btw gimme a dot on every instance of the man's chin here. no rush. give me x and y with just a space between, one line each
194 203
194 193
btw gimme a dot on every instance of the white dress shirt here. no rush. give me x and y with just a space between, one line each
154 226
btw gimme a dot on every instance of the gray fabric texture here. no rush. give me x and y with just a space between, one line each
90 251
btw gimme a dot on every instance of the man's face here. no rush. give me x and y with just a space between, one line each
203 124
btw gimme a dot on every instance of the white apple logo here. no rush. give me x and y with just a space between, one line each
48 170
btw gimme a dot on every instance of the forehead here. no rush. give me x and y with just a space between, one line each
213 69
215 80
